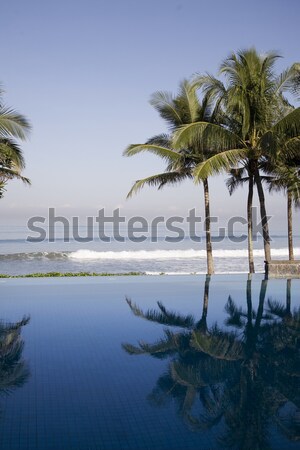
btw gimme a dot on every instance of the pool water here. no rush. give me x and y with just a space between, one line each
169 362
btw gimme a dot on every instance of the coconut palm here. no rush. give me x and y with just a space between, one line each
13 126
267 376
13 370
242 379
172 342
238 177
284 175
258 116
185 108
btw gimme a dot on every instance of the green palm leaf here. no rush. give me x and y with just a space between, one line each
162 152
13 124
9 174
206 135
289 126
218 163
159 180
163 102
10 150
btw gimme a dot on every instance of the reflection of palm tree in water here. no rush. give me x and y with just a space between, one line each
244 377
14 370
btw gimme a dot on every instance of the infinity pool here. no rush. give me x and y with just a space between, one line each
163 362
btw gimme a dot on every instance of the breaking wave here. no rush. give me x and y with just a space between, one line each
89 255
173 254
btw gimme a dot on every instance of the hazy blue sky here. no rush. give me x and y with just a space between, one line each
83 72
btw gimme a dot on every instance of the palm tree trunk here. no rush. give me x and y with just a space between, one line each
290 225
249 327
250 225
288 296
210 262
249 299
260 309
263 215
202 325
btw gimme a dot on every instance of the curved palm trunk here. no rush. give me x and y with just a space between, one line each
263 215
290 225
210 262
250 225
189 399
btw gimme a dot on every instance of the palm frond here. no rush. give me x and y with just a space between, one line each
162 140
222 346
10 151
163 102
289 126
13 124
219 163
286 80
163 152
276 308
163 316
9 174
206 135
161 349
235 315
212 87
159 180
187 101
236 179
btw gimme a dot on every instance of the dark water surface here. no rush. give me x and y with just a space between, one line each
214 364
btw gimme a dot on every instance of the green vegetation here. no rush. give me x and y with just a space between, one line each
72 274
184 108
242 124
13 127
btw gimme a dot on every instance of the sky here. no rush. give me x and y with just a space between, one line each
83 72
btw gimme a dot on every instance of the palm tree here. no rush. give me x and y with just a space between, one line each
238 177
242 379
185 108
257 117
284 175
172 341
12 126
13 370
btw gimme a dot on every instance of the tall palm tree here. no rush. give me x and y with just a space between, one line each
238 177
13 126
258 116
284 175
185 108
241 379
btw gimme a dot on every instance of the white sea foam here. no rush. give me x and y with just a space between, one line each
198 273
173 254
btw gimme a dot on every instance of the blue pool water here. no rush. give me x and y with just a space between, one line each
88 370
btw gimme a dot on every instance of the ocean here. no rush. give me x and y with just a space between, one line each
19 256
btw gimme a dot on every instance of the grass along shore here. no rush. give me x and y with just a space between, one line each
73 274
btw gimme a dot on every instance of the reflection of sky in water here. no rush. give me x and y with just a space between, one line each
85 391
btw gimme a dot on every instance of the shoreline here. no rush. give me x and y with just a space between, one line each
110 274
